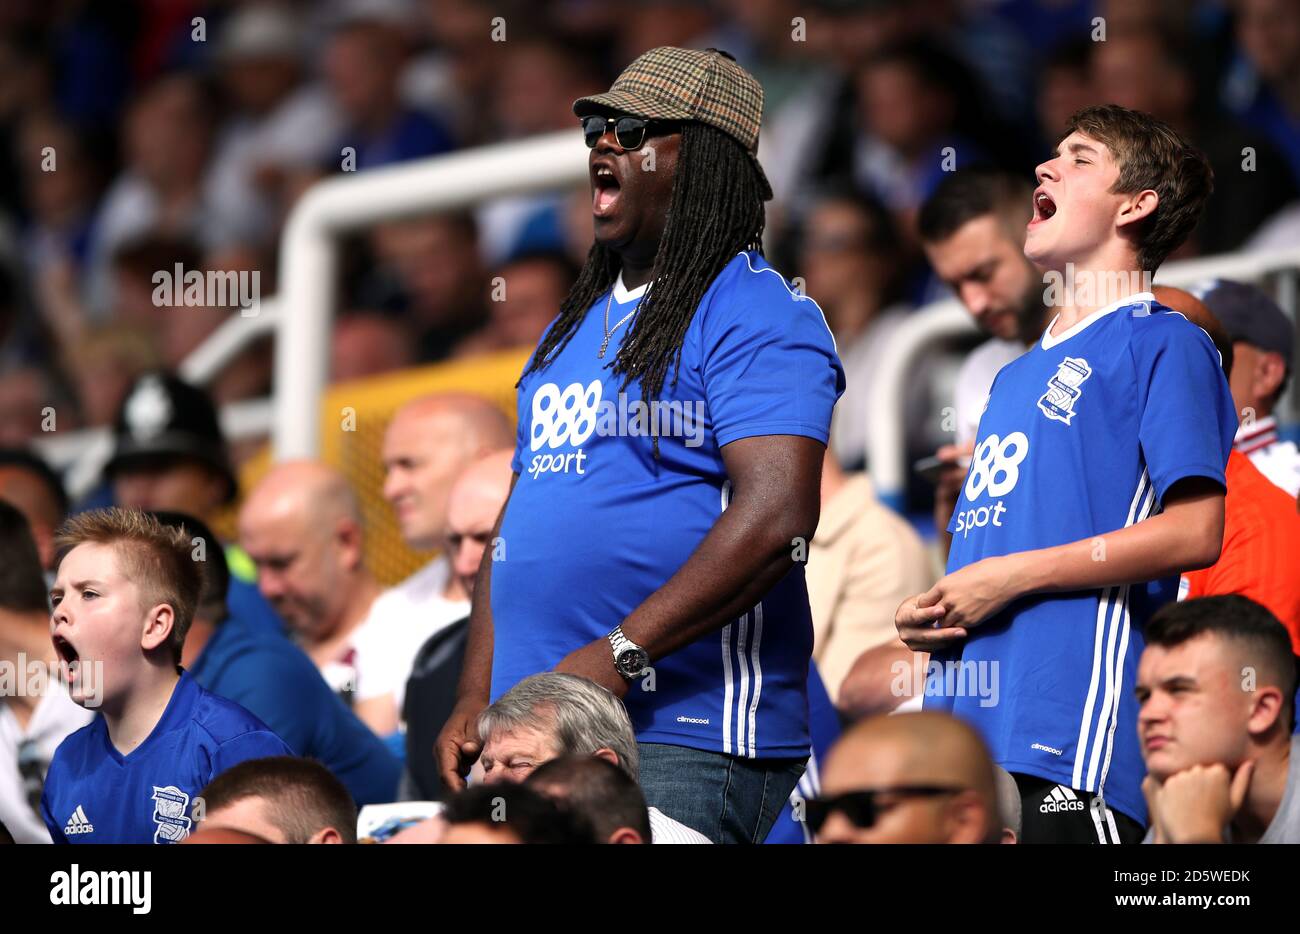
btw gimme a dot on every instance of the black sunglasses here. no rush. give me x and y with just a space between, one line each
629 132
861 807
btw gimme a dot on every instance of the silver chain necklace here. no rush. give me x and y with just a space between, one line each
609 332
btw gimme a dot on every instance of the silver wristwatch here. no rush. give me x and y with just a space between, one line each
630 659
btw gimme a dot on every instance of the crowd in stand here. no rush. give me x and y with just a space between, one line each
149 137
133 140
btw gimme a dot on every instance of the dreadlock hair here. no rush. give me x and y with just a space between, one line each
716 211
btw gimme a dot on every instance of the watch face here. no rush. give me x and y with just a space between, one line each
631 662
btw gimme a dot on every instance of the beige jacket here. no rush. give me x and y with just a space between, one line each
863 562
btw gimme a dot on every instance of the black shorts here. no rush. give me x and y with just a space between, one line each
1052 813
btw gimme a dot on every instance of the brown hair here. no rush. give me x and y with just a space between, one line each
1152 155
1238 621
972 193
155 557
301 796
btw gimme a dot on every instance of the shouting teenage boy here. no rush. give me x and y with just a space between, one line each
123 601
1098 477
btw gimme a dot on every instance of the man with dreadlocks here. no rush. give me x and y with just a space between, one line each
672 424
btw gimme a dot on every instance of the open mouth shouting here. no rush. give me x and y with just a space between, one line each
605 188
69 659
1044 207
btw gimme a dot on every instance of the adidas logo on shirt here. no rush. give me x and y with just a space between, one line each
1061 799
78 823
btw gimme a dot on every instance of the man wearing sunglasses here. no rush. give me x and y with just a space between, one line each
662 560
907 778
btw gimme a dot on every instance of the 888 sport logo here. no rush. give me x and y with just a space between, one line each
562 417
995 469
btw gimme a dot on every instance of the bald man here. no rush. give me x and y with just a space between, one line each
429 442
908 778
302 528
476 500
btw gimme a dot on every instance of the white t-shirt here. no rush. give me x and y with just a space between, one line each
975 379
663 829
400 621
55 717
1285 826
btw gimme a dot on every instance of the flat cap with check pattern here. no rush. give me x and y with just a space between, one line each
688 84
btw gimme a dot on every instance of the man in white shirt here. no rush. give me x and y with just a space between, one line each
429 443
399 622
36 713
973 232
1263 346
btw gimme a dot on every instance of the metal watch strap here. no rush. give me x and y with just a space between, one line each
618 643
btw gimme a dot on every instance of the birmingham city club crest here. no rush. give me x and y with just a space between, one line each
1063 389
170 805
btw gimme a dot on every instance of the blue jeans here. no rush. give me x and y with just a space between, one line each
726 798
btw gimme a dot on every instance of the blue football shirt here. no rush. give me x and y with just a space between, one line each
595 524
266 674
94 794
1081 436
243 598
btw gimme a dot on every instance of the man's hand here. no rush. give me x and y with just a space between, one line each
947 488
595 661
869 687
1197 804
458 745
972 594
1151 791
960 601
920 626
